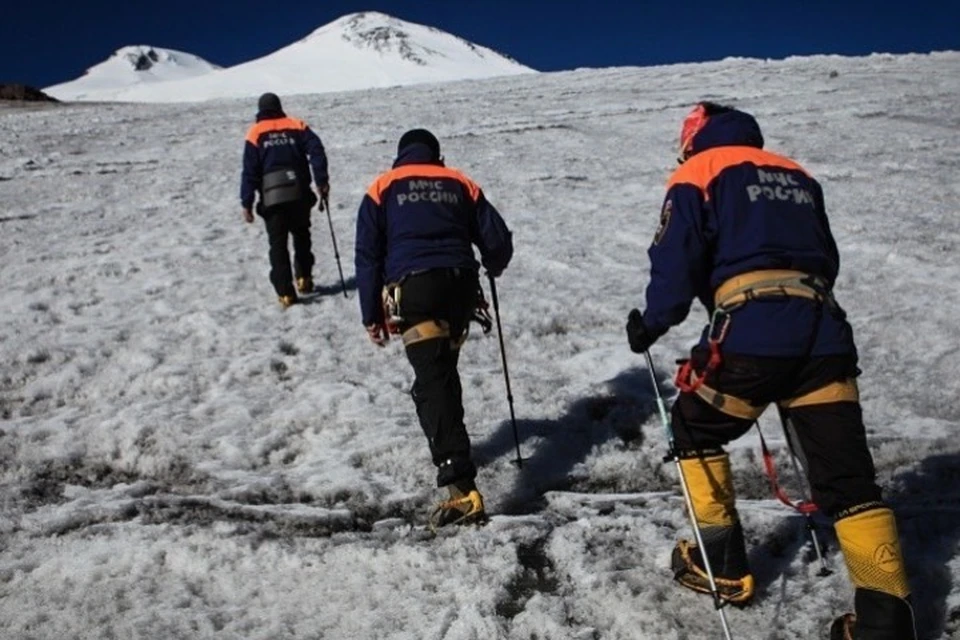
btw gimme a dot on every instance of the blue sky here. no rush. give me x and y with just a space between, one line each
47 42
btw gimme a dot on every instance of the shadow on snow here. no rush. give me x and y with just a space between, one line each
325 290
552 449
927 501
925 496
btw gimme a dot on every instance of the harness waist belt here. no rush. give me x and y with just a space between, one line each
768 283
432 330
731 405
426 330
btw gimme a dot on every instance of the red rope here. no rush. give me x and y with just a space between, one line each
803 506
685 373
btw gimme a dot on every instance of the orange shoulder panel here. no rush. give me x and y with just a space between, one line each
473 189
278 124
701 169
383 182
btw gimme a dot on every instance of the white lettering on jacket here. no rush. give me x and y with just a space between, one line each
427 191
779 186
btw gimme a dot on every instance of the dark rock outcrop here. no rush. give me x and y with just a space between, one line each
23 93
145 60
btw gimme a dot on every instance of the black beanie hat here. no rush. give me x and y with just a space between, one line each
269 102
420 136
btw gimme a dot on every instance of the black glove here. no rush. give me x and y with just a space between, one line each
323 192
637 335
481 314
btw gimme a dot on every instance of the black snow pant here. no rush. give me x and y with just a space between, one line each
831 435
441 298
283 221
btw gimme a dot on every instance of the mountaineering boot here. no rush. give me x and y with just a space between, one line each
305 285
883 617
288 301
871 548
465 506
687 567
842 627
710 483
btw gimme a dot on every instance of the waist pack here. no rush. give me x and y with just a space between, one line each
281 187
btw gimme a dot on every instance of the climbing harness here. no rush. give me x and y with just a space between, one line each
429 329
733 294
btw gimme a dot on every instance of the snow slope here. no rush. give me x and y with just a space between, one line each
131 67
179 458
357 51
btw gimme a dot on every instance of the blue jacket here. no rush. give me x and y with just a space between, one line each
279 142
421 215
733 208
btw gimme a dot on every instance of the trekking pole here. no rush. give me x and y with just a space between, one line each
336 254
506 374
789 434
665 419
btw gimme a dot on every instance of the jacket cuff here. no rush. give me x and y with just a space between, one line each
653 328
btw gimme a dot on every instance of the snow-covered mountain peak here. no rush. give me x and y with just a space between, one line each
355 25
357 51
146 57
385 35
395 38
130 67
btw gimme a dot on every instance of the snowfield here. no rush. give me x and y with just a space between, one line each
180 458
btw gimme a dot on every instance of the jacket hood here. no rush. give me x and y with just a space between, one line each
731 128
417 153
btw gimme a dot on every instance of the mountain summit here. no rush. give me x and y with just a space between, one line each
390 36
130 67
358 51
